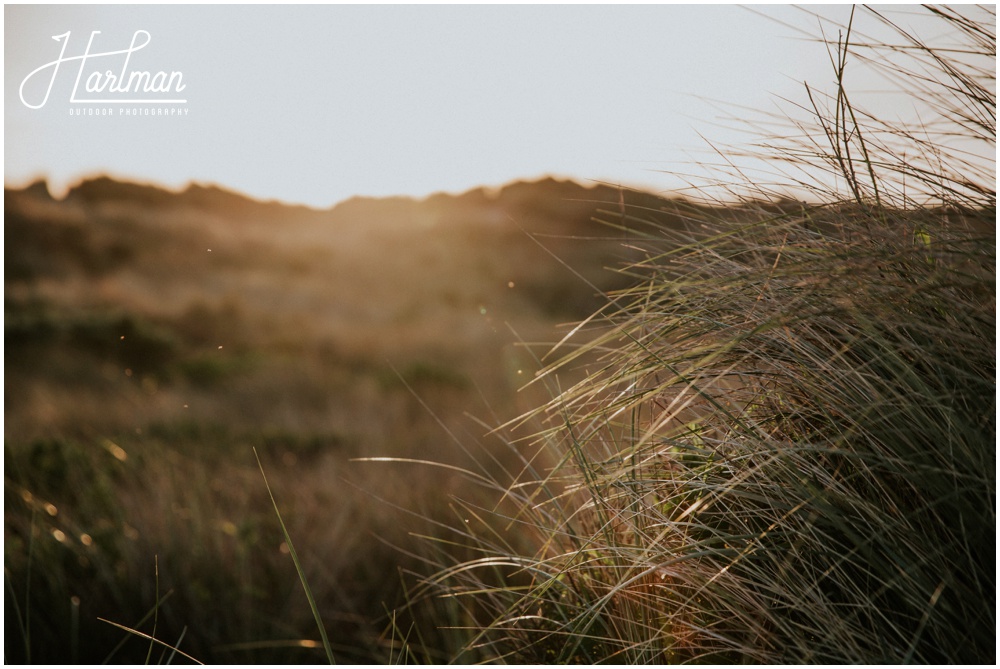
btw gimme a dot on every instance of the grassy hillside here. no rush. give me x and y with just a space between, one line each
153 338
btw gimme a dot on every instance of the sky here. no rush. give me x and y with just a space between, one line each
314 104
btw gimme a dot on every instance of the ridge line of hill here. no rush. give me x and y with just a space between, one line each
211 196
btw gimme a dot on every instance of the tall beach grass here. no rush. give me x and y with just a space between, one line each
783 450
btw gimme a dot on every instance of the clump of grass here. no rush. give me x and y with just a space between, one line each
786 452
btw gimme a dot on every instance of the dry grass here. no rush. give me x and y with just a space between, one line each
785 452
775 443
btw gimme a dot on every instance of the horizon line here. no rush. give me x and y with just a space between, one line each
29 182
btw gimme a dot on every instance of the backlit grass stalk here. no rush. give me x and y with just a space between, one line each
298 568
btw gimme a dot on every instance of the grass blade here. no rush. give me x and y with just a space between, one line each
298 567
152 639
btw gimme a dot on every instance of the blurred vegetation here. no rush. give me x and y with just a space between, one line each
152 339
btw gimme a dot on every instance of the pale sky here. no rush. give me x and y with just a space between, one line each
313 104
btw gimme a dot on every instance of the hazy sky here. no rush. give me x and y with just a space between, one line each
314 104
